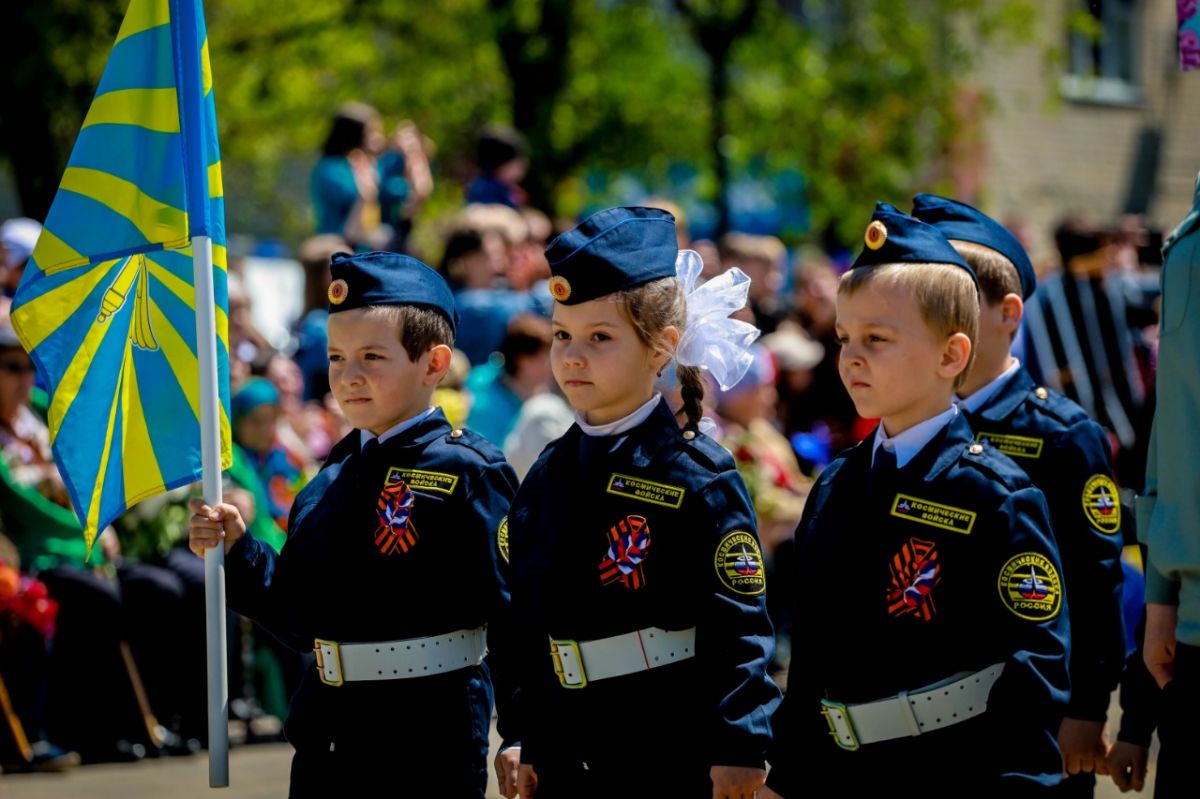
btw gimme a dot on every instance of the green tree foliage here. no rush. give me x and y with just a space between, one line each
858 95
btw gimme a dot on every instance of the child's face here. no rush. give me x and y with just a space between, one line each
255 430
372 378
895 368
603 368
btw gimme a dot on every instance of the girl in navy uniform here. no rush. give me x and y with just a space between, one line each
633 558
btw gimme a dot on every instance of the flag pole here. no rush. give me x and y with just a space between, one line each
214 559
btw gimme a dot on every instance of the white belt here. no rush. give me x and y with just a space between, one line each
579 662
911 713
400 660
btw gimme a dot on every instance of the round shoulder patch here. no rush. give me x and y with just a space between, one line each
1030 587
1102 504
502 538
739 564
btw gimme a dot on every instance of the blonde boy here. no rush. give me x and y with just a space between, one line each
931 601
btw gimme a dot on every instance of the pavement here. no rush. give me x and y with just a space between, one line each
255 772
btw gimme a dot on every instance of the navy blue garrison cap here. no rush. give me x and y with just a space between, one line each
387 278
960 221
612 250
894 237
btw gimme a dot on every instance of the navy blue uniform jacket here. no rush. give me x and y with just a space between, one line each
702 568
1066 455
907 579
332 582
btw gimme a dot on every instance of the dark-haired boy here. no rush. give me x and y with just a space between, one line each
391 569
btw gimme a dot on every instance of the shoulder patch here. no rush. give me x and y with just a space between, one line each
739 564
934 514
1013 446
502 538
1030 587
1102 504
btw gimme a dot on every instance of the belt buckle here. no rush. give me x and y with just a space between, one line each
337 661
837 715
557 647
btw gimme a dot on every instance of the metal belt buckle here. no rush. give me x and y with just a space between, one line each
838 717
337 661
570 649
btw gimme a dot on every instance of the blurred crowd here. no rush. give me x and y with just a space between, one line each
103 658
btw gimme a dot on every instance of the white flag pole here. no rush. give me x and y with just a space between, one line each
214 559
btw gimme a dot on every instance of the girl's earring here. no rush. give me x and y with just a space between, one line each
660 371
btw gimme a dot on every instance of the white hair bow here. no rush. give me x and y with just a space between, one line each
712 340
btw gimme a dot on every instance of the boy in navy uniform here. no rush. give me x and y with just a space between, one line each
1066 455
931 591
390 572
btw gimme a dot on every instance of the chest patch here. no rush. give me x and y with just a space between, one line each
668 496
423 480
739 564
934 514
628 541
1102 504
915 572
1030 587
395 533
1013 446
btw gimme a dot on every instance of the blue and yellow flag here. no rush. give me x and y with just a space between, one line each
107 306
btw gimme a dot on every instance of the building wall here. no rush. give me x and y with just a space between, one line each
1047 152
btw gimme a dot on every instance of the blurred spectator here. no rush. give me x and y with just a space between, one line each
711 257
365 188
256 415
529 267
500 154
1080 343
500 386
97 613
246 345
763 259
827 403
17 240
681 229
797 356
543 418
27 621
763 455
311 339
475 263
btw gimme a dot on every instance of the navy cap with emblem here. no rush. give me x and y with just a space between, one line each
894 237
959 221
387 278
612 250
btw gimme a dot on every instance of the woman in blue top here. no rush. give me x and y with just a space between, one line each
366 188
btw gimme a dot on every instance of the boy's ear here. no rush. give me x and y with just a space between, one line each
1012 310
955 356
439 364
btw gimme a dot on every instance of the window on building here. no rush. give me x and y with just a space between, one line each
1102 52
